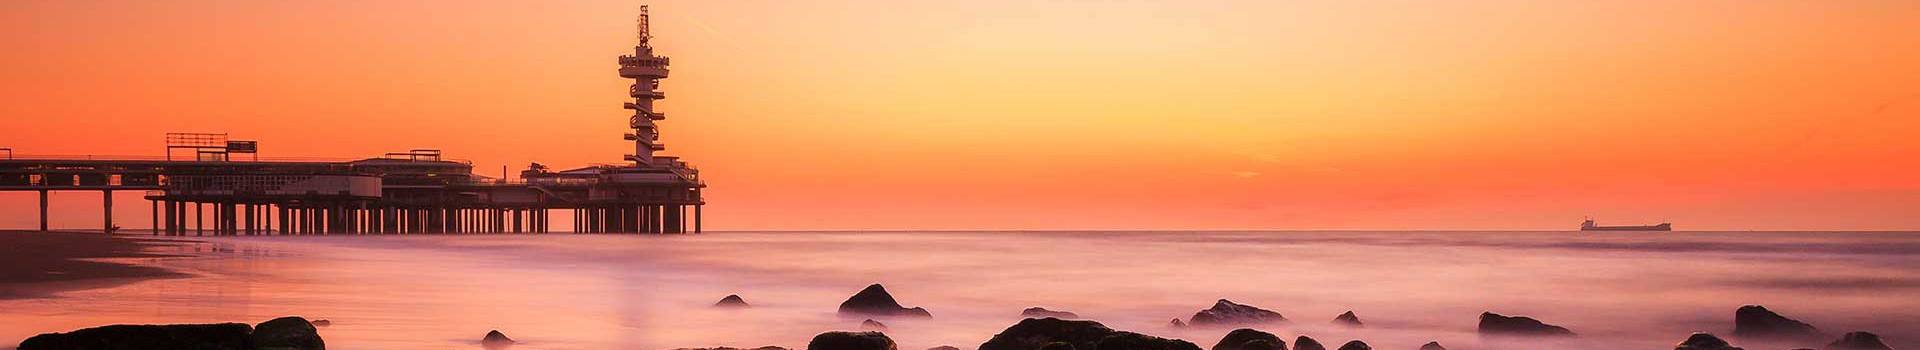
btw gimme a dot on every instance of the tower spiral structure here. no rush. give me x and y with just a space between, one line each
646 69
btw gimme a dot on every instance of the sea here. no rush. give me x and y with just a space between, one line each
1617 290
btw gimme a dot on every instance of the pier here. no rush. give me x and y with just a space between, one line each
210 184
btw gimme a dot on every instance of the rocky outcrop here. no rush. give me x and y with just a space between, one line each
291 333
943 347
1227 313
322 323
871 325
1433 345
1756 322
1137 341
1059 345
1263 345
1704 341
1238 339
1033 333
1177 323
1039 312
732 301
851 341
1305 343
1496 324
496 340
285 333
1849 341
1347 319
875 301
1356 345
223 336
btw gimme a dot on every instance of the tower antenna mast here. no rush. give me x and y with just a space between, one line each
643 25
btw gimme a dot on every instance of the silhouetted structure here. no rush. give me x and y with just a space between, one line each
404 192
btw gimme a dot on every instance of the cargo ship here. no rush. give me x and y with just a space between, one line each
1590 226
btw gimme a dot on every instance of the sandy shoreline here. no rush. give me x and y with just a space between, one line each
39 264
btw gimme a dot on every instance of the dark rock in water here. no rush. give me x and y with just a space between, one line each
322 323
1496 324
1356 345
1177 323
1238 338
871 325
1704 341
1433 345
1347 319
496 340
1137 341
292 332
732 301
1263 345
1849 341
874 301
851 341
947 347
1059 345
1756 322
1039 312
1305 343
224 336
1033 333
1226 312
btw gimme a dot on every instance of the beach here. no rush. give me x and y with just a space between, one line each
38 264
575 291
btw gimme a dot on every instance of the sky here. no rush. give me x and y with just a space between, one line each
1040 115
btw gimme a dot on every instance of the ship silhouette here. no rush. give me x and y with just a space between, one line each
1588 225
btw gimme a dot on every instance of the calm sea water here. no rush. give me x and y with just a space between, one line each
559 291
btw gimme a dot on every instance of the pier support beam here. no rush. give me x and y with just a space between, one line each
43 210
106 215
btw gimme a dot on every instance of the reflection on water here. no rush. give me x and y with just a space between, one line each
1619 290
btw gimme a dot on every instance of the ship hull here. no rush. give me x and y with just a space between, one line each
1660 227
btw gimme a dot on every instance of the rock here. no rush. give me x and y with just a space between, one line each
1137 341
1704 341
292 333
945 347
1433 345
223 336
1227 313
1849 341
1305 343
851 341
1347 319
1496 324
874 301
1059 345
1238 338
871 325
322 323
496 340
1756 322
1356 345
733 348
732 301
1177 323
1263 345
1033 333
1039 312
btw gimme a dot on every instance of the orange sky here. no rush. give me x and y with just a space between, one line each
1043 114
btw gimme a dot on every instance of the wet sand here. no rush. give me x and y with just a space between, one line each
39 264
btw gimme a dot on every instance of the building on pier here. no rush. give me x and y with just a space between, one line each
403 192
